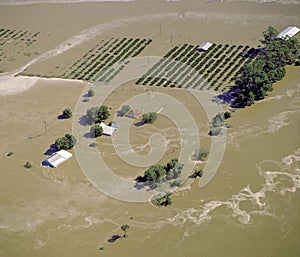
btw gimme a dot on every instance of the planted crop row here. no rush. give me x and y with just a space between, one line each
96 63
184 66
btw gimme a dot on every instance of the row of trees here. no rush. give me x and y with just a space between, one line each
255 79
156 173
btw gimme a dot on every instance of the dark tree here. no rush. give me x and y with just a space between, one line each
149 117
97 114
91 92
197 173
96 130
125 227
67 142
67 113
227 115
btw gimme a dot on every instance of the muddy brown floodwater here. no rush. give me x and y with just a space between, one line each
251 206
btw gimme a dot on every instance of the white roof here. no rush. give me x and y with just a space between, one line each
107 130
204 46
59 158
288 33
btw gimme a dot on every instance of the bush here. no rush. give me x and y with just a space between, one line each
91 92
227 115
200 155
9 154
28 165
197 173
67 113
149 117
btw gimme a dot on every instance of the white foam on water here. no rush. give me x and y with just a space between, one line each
275 182
39 243
270 125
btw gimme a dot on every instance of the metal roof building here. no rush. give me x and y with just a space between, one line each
204 46
288 33
107 130
57 158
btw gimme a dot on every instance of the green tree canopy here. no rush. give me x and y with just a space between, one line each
91 92
97 114
125 227
149 117
67 113
67 142
96 130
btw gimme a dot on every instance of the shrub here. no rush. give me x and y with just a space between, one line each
149 117
200 155
67 113
91 92
28 165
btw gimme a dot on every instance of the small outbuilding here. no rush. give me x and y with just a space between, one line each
133 114
204 46
107 130
57 158
288 33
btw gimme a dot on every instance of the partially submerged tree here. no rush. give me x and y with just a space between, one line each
28 165
96 130
197 173
67 142
200 155
149 117
67 113
91 92
97 114
125 227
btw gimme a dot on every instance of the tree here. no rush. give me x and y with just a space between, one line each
67 113
96 130
67 142
269 35
125 227
227 115
91 92
197 173
164 200
97 114
149 117
154 172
